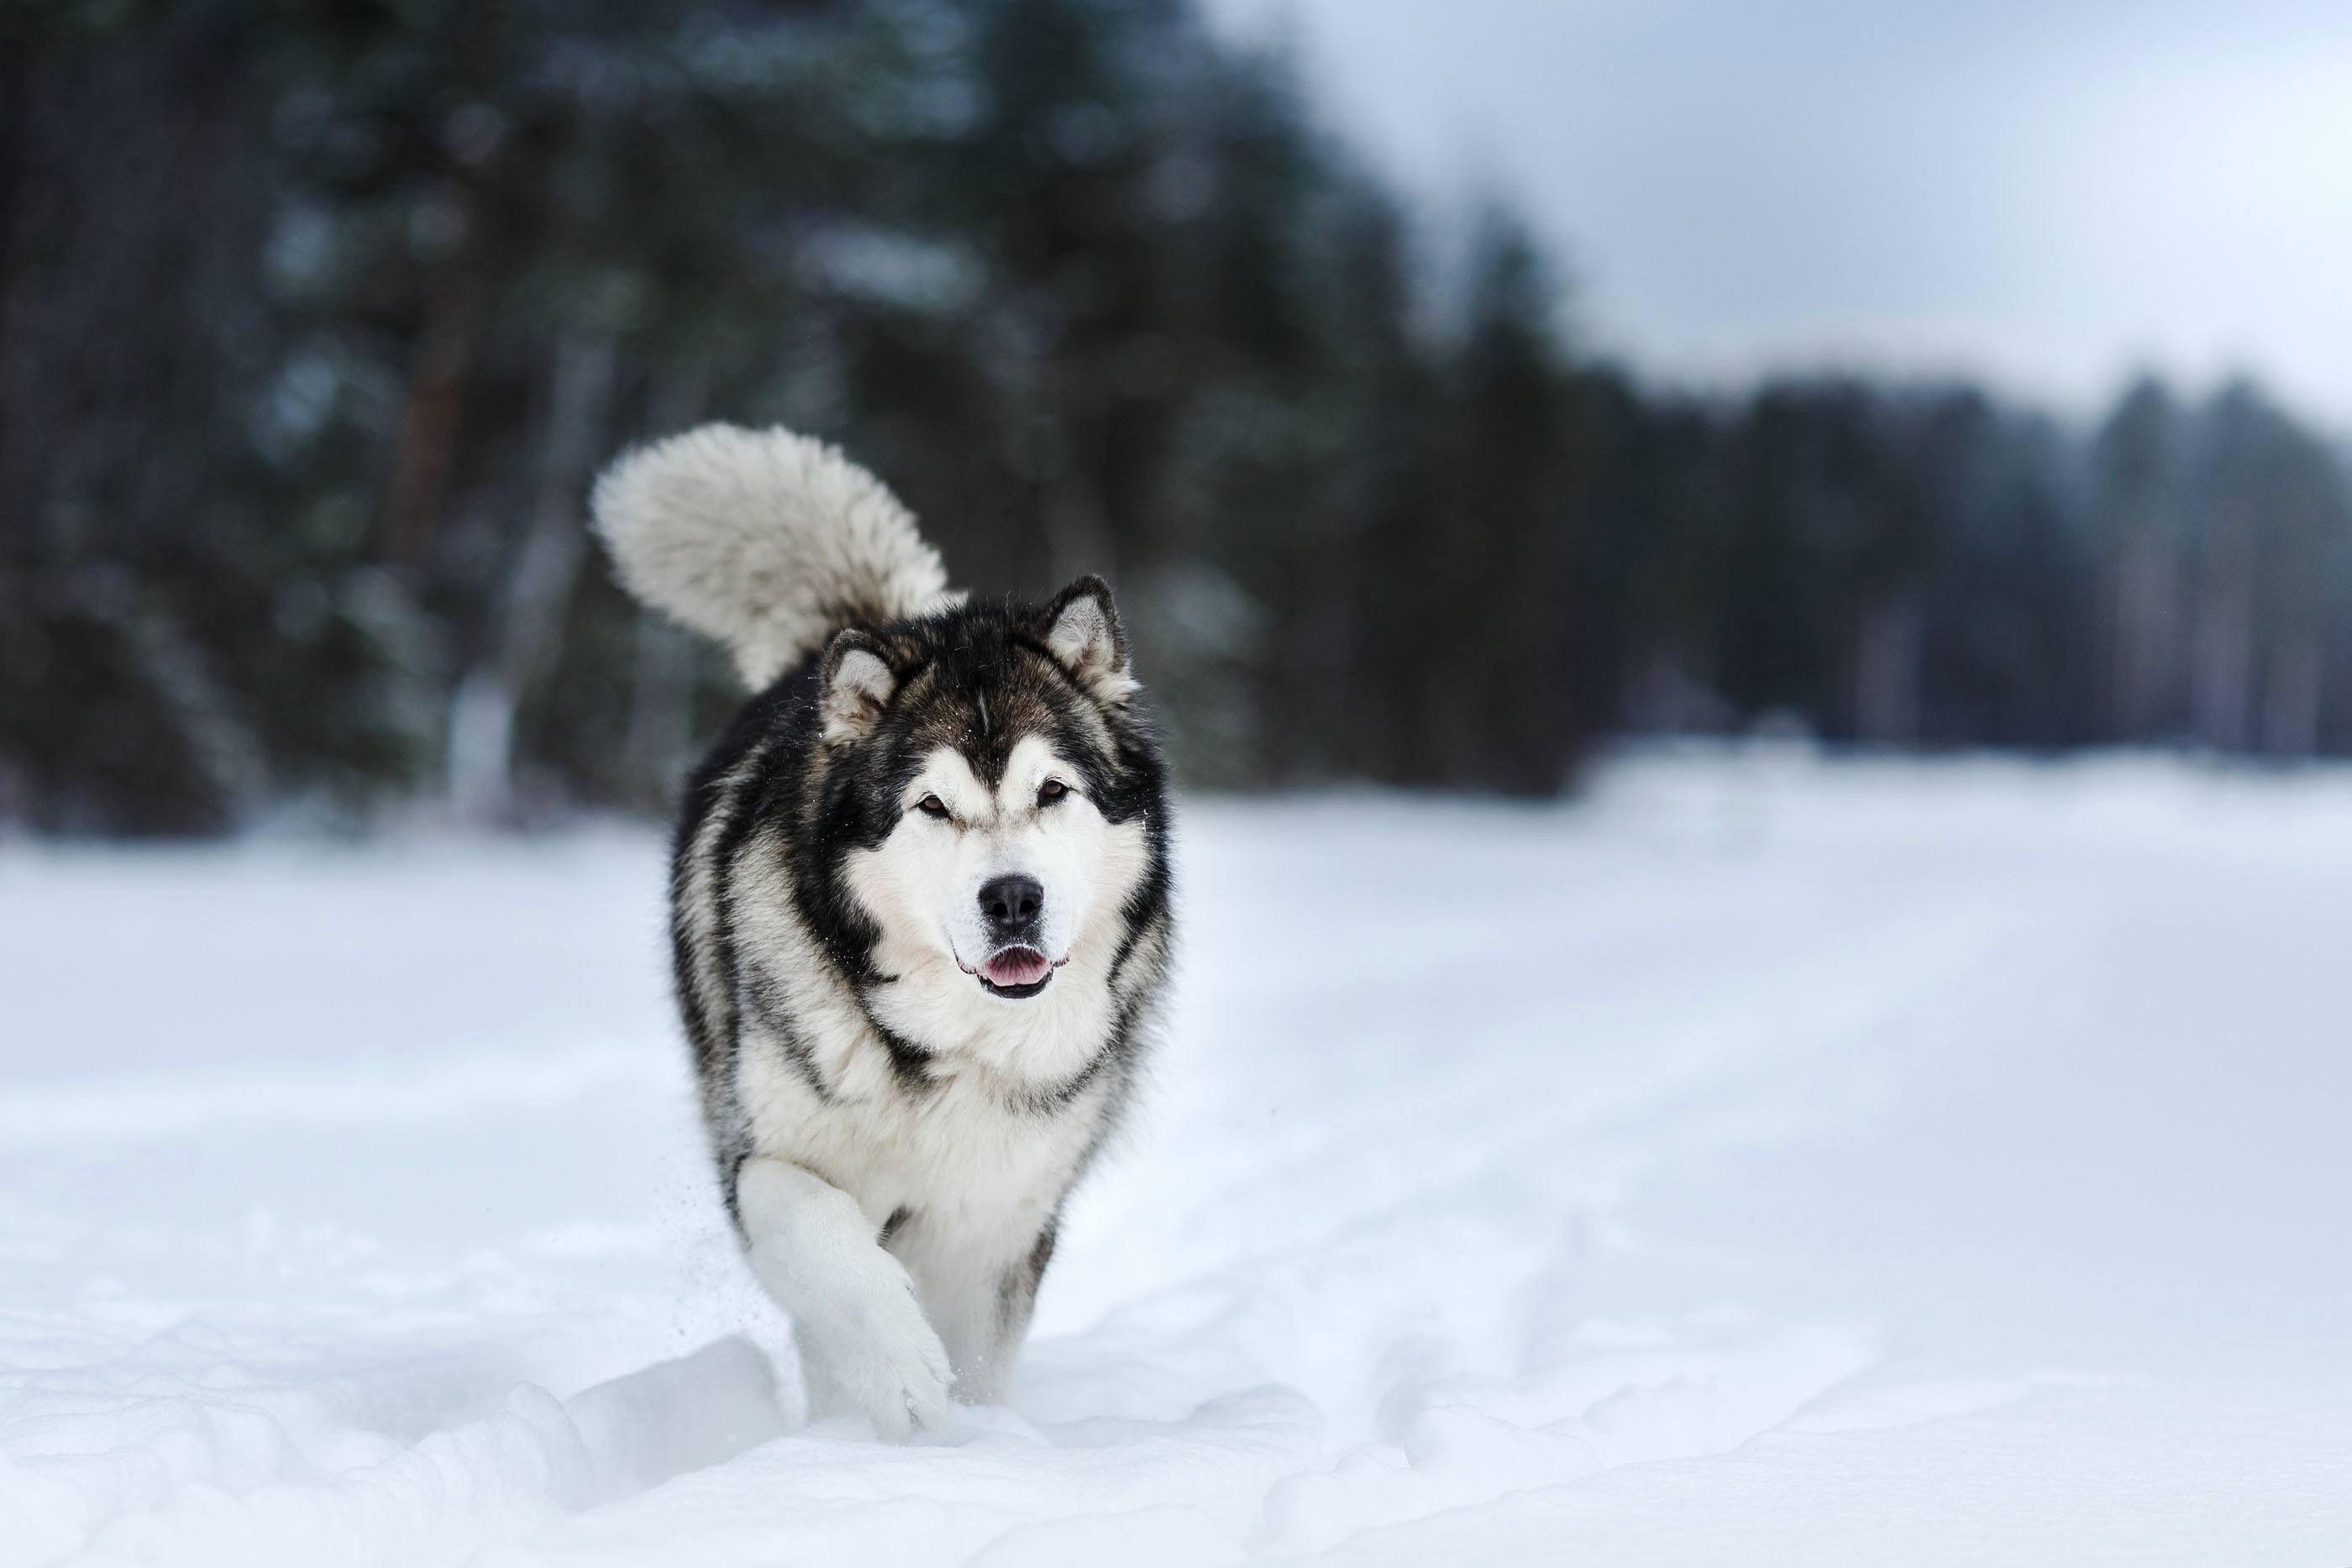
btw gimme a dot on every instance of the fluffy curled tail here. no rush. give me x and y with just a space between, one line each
767 542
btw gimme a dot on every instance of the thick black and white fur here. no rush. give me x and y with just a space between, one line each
920 908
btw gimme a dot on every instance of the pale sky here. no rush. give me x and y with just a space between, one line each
2045 195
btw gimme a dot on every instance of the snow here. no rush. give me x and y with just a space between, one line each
1765 1160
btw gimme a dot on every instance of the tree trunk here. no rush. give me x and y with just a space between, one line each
16 151
2147 643
426 445
2221 681
1887 669
1069 510
176 669
531 634
2291 700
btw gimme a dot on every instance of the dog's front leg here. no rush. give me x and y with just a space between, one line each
864 1343
983 1303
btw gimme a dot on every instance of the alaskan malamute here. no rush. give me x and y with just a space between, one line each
919 907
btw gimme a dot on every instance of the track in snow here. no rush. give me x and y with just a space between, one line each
1767 1160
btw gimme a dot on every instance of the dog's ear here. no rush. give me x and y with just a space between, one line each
856 685
1082 633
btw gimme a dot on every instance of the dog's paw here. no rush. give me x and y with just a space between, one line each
900 1381
878 1358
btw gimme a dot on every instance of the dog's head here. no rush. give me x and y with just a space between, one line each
994 806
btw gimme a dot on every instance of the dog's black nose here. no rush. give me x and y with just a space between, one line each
1012 901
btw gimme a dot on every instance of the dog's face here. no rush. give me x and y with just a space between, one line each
1006 872
999 805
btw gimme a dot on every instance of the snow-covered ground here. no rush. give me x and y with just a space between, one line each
1765 1161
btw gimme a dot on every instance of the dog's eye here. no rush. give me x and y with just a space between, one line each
930 806
1051 790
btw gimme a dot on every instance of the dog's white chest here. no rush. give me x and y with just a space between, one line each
965 1153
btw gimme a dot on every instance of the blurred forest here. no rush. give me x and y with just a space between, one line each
315 321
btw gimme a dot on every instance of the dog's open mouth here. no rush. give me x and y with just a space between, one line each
1014 972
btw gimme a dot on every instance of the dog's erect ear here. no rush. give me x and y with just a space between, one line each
1082 631
855 687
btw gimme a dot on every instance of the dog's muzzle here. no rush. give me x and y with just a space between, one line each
1011 908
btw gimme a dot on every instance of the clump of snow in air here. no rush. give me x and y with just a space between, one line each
1765 1160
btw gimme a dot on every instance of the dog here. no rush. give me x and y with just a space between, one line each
921 908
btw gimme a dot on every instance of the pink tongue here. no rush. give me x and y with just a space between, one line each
1016 967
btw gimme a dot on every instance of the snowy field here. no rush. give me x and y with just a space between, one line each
1765 1161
